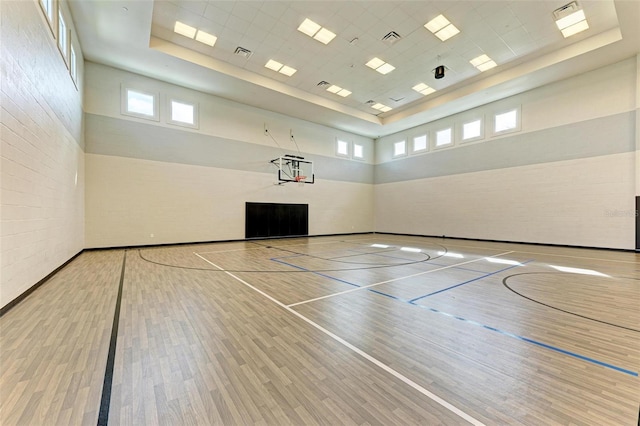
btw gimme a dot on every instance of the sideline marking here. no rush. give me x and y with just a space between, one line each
360 352
105 401
340 293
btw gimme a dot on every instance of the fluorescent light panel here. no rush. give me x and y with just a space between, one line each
324 36
309 27
441 28
344 93
385 69
184 29
282 69
483 62
273 65
573 23
423 89
381 66
575 29
316 31
206 38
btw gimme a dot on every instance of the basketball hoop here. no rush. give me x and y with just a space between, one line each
300 180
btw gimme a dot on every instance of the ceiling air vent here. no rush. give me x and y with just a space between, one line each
323 84
391 38
565 10
241 51
370 102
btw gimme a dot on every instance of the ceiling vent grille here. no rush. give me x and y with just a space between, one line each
241 51
323 83
565 10
370 102
391 38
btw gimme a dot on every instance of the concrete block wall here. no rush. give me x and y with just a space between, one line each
42 158
151 182
567 176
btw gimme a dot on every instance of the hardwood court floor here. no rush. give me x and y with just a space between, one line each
364 329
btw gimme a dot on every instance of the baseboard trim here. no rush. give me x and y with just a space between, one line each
509 242
34 287
6 308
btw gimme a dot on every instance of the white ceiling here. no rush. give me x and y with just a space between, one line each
520 35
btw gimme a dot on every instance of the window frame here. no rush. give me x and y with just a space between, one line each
426 143
502 111
50 15
347 145
64 38
73 65
404 147
449 144
170 120
124 103
470 120
355 146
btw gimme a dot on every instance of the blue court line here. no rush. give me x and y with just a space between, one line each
535 342
504 333
316 273
469 281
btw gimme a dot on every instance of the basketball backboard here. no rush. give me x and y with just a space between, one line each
292 168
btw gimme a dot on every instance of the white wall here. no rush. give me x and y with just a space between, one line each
567 177
42 186
149 178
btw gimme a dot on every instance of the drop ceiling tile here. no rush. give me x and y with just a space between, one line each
264 21
246 10
237 24
195 6
216 14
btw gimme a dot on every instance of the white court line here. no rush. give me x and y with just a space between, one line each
360 352
364 287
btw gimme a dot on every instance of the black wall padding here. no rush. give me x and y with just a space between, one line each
276 220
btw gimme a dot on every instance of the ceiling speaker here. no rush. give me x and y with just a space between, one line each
439 71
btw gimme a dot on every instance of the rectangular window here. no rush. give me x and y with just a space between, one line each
73 66
444 137
420 143
183 113
358 151
507 121
138 103
63 36
400 148
472 130
47 7
342 148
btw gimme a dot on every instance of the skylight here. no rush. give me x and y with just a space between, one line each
483 63
316 31
423 89
381 66
442 28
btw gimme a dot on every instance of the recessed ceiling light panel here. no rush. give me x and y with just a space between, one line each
287 70
309 27
184 29
324 36
273 65
334 89
381 66
206 38
442 28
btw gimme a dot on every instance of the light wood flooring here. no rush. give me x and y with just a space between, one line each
355 330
